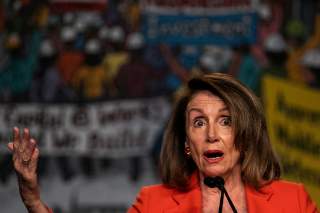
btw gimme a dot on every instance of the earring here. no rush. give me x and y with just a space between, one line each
187 151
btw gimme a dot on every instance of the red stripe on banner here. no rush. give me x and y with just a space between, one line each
63 6
198 3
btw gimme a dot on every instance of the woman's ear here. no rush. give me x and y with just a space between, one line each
187 149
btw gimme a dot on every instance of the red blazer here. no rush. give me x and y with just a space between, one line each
277 197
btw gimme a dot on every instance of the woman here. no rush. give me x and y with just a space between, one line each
217 130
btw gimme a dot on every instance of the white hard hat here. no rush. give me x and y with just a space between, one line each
80 26
91 18
68 18
47 48
135 41
264 11
209 62
116 34
104 33
92 46
216 58
311 58
275 43
68 34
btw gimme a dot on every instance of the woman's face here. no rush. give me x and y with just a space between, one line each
210 136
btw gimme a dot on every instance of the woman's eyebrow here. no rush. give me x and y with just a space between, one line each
201 111
224 109
195 109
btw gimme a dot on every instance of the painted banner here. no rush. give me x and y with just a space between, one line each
293 116
221 29
200 22
116 129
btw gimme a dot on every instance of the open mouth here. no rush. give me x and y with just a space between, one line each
211 154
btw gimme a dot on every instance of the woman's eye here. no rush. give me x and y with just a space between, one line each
226 121
198 122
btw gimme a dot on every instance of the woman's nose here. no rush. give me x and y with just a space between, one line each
212 134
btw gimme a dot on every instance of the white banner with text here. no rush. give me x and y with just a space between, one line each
115 129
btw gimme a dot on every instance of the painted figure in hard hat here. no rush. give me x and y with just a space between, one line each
115 55
135 78
212 59
276 50
298 45
90 79
70 59
311 65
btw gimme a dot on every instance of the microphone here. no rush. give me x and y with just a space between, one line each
216 181
219 183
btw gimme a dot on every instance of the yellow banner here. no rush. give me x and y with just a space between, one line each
293 117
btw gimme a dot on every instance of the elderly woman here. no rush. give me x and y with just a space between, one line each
217 130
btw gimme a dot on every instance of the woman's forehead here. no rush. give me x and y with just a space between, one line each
204 98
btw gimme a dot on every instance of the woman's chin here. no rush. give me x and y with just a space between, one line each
213 173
